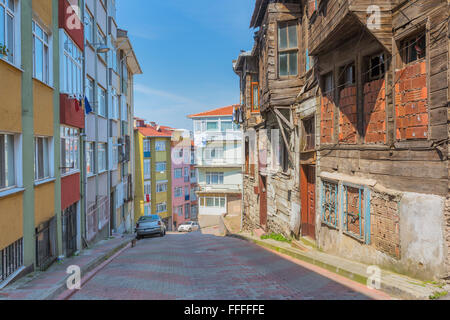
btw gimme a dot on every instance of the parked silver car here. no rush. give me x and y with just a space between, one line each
150 225
188 226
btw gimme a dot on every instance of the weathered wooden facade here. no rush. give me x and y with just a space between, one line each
359 92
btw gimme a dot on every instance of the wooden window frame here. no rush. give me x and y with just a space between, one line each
305 136
368 62
405 50
281 24
253 109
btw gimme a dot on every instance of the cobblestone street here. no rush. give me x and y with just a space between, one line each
202 267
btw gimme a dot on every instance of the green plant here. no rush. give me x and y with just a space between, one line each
437 295
3 50
275 236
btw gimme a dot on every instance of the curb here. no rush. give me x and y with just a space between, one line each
61 286
389 288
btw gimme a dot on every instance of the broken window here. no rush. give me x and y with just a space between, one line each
287 49
284 153
309 137
330 215
347 75
327 84
376 66
413 48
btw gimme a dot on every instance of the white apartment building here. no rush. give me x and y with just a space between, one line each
219 161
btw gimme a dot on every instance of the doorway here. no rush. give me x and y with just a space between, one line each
263 202
308 201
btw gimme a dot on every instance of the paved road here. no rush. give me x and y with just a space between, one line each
200 266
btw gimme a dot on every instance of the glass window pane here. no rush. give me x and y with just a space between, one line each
282 38
293 64
222 202
9 163
283 64
38 51
2 25
293 36
227 125
210 202
10 37
212 126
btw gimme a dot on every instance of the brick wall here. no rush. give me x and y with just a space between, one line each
385 220
411 102
348 117
375 111
326 120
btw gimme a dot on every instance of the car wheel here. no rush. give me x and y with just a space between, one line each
190 230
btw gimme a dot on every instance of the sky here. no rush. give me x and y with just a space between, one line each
185 49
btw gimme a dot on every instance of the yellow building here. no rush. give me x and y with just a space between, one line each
153 171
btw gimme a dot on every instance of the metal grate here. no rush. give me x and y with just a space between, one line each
354 215
46 244
330 215
69 230
11 259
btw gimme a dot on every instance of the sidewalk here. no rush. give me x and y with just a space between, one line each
396 285
49 284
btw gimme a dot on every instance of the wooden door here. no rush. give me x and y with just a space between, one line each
308 200
263 202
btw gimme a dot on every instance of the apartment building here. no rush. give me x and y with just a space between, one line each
218 159
183 178
359 111
30 228
153 171
45 52
110 64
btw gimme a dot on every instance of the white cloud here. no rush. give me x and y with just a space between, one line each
151 92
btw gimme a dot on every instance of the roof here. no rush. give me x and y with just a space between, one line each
224 111
150 131
237 65
258 13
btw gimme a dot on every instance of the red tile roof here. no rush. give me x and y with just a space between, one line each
150 131
224 111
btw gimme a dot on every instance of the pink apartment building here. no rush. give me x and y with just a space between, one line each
181 177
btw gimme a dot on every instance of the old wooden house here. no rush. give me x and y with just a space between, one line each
359 93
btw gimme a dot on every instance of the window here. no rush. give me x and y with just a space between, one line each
287 49
124 110
327 84
147 145
187 193
71 68
161 186
193 195
213 202
147 169
226 126
90 89
42 158
330 215
89 28
179 211
347 75
7 21
356 219
214 178
101 39
178 192
69 150
376 66
187 211
101 96
178 173
40 54
213 153
160 146
309 137
194 211
186 172
160 166
7 167
161 207
114 105
147 188
413 48
115 153
192 174
212 126
284 154
101 157
197 126
90 158
255 97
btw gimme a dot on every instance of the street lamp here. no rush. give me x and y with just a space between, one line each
101 47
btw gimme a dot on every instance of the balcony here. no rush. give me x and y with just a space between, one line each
219 188
339 20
